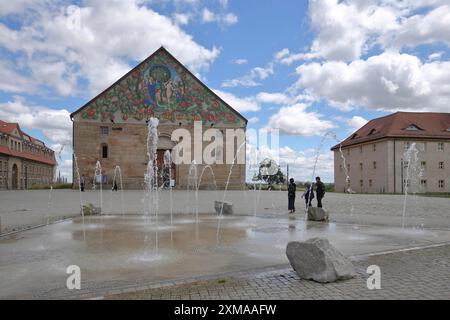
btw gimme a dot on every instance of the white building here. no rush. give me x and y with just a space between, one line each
376 159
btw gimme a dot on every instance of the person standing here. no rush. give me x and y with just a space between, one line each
82 184
292 188
308 195
320 191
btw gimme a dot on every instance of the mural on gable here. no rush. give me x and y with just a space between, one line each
159 88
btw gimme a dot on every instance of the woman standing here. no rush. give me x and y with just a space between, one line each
292 188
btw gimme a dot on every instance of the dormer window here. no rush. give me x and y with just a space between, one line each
372 131
448 130
354 136
412 127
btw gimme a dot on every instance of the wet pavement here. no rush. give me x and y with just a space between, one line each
115 251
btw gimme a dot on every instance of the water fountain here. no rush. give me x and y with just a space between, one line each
151 174
327 135
118 170
49 204
167 179
193 185
98 178
226 187
77 170
414 173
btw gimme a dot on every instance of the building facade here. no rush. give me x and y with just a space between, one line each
112 128
392 153
24 160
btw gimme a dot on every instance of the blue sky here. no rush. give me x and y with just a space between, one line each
305 67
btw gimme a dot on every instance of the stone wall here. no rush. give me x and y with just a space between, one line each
127 148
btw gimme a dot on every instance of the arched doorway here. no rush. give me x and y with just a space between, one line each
161 169
15 177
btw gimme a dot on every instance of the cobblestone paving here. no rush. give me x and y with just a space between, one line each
415 274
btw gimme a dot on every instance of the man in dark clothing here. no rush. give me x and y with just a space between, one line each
292 188
320 191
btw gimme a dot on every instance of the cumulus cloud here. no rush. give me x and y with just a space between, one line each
54 124
239 61
346 30
226 19
273 98
356 122
252 78
96 42
247 104
297 120
389 81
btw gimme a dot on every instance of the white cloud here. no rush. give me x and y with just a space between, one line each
252 78
110 34
390 81
239 61
247 104
273 98
356 122
435 56
12 81
301 162
286 57
181 19
345 30
253 120
227 19
297 120
54 124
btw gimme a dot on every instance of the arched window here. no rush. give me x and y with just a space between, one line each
104 151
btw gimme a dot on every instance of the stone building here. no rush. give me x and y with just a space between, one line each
112 127
24 160
378 161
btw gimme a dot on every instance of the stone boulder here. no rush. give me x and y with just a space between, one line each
227 207
317 214
91 210
316 259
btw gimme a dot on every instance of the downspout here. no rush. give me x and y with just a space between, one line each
73 152
395 176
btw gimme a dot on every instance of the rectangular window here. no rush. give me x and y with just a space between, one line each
423 164
423 146
405 164
361 183
423 183
441 165
406 183
104 151
360 149
441 184
374 147
375 165
348 167
370 183
104 131
440 146
348 152
340 167
407 145
360 166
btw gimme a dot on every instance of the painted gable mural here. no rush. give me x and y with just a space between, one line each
161 88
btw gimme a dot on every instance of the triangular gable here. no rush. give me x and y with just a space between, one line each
159 87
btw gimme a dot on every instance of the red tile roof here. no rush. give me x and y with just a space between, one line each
427 125
7 128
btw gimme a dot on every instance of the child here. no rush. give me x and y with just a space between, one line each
308 195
